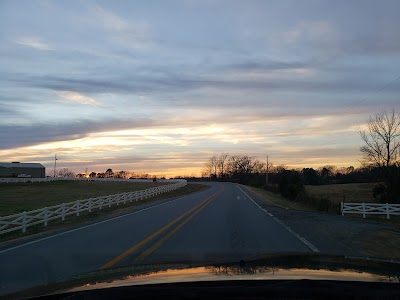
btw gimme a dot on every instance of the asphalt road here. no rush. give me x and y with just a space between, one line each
221 224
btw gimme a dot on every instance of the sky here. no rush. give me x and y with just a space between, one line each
161 86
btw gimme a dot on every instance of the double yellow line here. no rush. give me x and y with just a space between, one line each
188 215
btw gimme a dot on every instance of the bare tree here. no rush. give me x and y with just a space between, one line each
241 164
259 166
207 171
382 139
214 163
122 174
222 164
66 173
211 166
382 149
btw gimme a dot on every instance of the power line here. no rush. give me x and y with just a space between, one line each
377 91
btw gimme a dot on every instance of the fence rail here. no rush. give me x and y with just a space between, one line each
49 179
370 209
26 219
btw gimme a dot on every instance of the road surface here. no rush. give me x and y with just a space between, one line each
221 224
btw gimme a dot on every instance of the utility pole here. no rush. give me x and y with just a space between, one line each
266 172
55 164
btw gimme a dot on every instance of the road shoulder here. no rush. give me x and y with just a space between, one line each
337 235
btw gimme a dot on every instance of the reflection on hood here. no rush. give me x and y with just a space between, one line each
289 267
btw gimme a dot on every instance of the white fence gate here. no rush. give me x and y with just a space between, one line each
370 209
26 219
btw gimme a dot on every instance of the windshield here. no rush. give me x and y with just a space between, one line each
195 132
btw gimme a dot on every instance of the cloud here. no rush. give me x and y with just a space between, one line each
130 34
275 84
109 19
17 136
315 32
33 42
7 111
129 82
270 65
79 98
329 40
182 129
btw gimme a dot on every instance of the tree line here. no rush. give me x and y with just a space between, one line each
225 166
247 169
289 182
109 173
381 165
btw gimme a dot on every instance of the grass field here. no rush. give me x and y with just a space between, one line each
106 212
349 192
278 200
17 197
335 193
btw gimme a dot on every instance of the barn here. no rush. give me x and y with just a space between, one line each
15 169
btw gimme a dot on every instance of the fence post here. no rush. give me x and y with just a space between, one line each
387 211
78 203
63 211
341 208
90 205
46 215
363 206
24 222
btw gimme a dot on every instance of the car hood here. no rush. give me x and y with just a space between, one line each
289 267
271 267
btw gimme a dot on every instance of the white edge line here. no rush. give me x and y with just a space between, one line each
86 226
298 236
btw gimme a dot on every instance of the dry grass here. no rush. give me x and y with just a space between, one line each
106 212
278 200
349 192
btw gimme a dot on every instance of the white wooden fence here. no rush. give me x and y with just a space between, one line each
26 219
48 179
370 209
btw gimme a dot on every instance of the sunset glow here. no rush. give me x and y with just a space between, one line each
135 91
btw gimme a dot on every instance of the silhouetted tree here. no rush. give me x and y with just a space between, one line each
66 173
382 149
326 173
310 176
109 173
222 164
211 167
290 184
122 174
382 139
